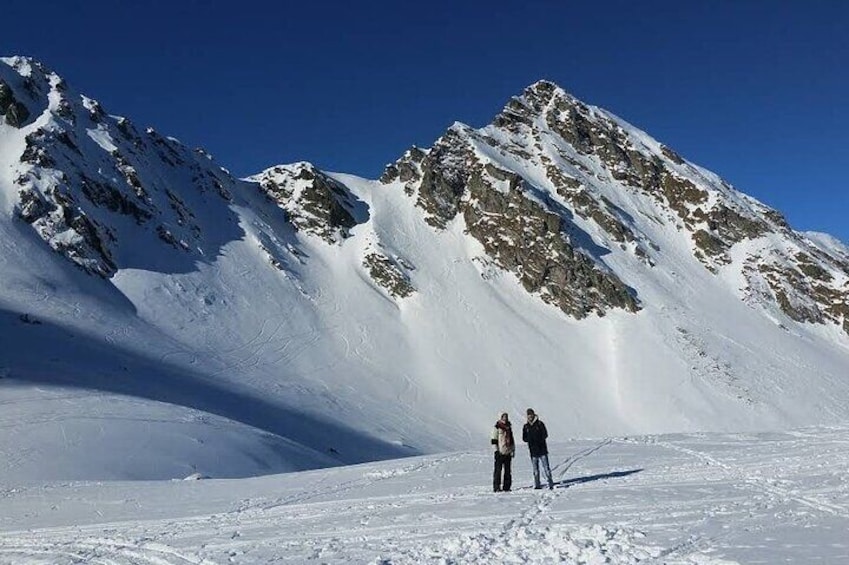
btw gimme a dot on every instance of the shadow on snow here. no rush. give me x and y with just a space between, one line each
44 353
591 478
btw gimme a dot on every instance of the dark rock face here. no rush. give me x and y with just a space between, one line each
389 274
103 195
804 290
33 206
6 96
518 232
586 205
314 202
86 244
407 169
16 114
528 240
444 174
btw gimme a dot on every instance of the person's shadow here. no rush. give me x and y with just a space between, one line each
590 478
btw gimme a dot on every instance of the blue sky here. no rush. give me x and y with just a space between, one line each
755 90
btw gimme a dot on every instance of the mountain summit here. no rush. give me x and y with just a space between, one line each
558 258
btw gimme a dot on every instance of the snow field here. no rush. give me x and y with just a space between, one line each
684 499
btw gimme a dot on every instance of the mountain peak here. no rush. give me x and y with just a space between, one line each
579 171
544 89
535 101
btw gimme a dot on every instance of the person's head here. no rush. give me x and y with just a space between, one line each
504 417
531 414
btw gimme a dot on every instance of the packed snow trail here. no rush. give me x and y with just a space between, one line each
687 499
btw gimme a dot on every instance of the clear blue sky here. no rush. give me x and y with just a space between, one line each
755 90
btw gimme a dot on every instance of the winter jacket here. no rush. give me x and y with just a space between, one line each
502 439
535 434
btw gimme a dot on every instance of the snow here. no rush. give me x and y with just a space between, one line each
828 243
706 499
11 145
101 136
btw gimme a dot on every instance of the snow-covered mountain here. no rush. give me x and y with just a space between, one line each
557 258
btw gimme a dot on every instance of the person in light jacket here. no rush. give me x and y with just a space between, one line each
535 434
505 448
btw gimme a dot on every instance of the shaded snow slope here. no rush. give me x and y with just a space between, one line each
706 499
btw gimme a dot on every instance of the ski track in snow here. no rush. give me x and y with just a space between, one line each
366 480
72 548
696 499
768 496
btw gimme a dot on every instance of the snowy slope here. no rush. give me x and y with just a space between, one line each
705 499
155 309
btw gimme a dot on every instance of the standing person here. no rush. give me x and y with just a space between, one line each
505 448
535 434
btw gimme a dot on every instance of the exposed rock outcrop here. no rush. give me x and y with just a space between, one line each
389 274
314 202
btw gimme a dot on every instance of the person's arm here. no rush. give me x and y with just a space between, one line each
494 437
544 431
525 433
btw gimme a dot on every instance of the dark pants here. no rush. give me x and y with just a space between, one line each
502 463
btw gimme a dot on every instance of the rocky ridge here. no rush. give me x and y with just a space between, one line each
557 192
90 183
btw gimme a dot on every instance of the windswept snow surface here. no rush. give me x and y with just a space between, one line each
694 499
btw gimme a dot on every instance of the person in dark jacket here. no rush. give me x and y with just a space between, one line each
505 448
535 434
